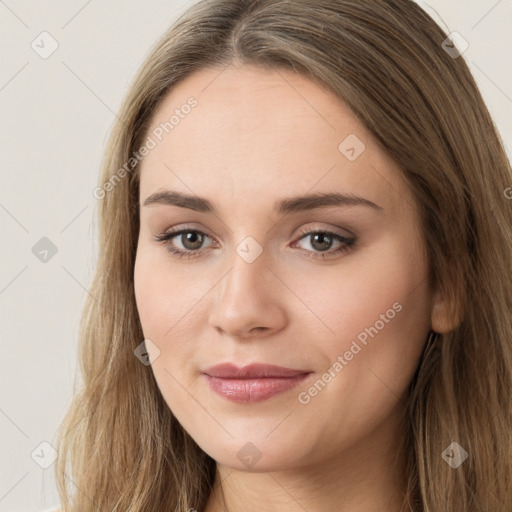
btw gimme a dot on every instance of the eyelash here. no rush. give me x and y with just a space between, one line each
166 237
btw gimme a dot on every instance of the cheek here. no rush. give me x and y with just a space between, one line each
164 293
386 286
170 310
148 291
164 303
379 316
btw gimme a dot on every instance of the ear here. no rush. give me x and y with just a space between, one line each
446 315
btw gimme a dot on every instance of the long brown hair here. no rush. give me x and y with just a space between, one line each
120 447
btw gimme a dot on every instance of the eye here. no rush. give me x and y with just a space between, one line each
191 241
322 241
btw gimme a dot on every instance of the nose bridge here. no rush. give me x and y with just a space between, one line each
248 272
246 297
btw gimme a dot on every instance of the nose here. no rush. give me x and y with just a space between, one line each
248 300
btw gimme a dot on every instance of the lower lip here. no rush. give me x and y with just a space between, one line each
253 390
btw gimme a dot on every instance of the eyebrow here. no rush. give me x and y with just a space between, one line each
282 207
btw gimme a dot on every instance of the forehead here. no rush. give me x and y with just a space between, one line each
257 132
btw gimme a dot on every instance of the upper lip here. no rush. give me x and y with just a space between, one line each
255 370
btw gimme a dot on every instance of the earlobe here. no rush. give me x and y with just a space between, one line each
446 316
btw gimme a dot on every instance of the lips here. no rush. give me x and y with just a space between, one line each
252 383
252 371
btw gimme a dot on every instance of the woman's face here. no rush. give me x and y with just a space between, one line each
255 152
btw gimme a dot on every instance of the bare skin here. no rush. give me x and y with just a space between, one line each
256 137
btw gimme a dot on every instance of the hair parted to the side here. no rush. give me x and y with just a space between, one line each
120 447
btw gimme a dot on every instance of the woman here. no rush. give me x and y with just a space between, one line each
303 294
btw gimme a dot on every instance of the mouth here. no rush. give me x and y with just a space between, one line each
254 382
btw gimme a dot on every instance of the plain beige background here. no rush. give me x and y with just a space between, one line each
55 114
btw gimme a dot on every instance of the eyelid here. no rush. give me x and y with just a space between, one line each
334 230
